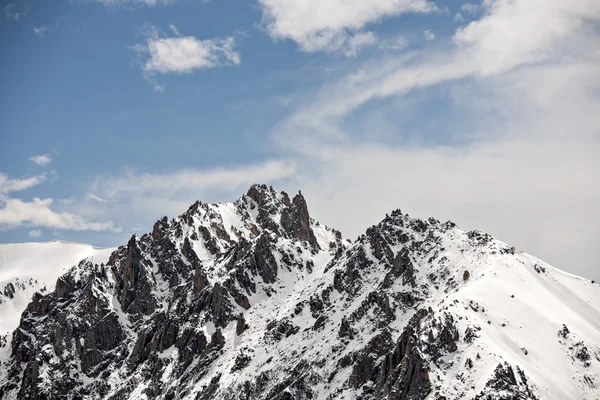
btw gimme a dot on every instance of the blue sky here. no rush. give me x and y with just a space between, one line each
483 113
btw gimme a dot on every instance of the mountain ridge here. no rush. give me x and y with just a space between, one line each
256 300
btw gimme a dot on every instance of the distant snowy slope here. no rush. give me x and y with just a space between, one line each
522 312
29 267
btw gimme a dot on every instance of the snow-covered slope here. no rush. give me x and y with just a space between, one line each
29 267
256 300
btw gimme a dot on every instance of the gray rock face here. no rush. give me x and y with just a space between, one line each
504 385
135 283
9 290
296 221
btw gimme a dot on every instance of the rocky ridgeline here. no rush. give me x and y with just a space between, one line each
153 294
256 300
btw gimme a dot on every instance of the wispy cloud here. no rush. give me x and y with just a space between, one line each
40 31
429 35
394 44
36 233
359 41
145 196
470 8
38 212
42 159
331 25
16 10
66 201
173 184
174 29
8 185
182 54
96 198
148 3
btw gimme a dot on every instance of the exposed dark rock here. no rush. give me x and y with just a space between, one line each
295 220
348 279
262 259
346 330
241 361
209 392
241 325
137 285
316 305
217 301
404 267
470 335
539 269
564 332
9 290
503 385
583 355
160 228
278 329
320 323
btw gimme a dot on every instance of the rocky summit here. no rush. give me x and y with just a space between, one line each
256 300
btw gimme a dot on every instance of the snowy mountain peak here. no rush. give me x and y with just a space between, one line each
255 300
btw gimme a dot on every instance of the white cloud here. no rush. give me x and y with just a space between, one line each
515 33
174 29
429 35
458 18
470 8
66 201
330 25
39 31
149 3
394 44
186 54
8 185
92 196
35 233
16 10
16 212
358 41
183 54
42 159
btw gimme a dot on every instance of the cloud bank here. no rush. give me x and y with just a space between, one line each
332 25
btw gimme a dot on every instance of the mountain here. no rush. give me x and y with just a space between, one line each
26 268
256 300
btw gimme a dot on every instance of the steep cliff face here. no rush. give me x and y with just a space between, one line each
255 300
